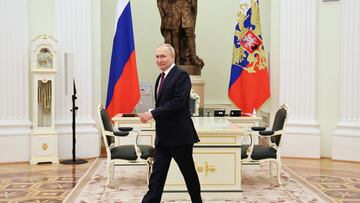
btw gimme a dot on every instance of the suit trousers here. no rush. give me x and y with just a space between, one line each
184 159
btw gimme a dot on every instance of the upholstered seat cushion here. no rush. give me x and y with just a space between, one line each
146 151
259 152
126 152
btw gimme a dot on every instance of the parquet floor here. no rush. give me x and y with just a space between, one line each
50 183
21 182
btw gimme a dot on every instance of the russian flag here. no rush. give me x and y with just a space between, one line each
123 87
249 85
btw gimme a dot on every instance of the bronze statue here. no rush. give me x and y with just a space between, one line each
178 18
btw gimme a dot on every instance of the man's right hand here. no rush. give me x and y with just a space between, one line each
145 117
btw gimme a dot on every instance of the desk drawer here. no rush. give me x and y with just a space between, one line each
218 168
219 139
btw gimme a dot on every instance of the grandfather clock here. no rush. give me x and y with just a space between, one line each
43 68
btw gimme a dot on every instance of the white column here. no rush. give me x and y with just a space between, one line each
14 81
73 30
346 139
297 77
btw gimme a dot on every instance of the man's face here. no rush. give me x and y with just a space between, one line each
164 58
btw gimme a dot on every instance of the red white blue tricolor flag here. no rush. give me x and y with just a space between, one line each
249 81
123 88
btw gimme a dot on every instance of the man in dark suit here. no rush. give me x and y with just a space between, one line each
175 132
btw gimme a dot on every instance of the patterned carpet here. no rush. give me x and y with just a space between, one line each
342 189
129 186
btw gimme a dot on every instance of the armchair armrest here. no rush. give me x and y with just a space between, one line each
137 143
117 133
121 134
126 129
269 133
252 130
257 128
108 133
266 133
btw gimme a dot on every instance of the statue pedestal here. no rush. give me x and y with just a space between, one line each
198 85
192 69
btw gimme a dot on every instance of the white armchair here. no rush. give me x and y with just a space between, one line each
135 154
267 153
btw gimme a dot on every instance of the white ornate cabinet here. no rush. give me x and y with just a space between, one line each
43 68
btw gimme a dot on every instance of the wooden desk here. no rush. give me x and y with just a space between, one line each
217 160
245 122
217 156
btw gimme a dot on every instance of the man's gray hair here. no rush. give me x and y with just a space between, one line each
171 48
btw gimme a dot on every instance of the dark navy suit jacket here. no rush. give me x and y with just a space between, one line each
174 126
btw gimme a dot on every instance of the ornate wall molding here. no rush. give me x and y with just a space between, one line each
350 64
14 80
73 30
347 133
297 75
14 77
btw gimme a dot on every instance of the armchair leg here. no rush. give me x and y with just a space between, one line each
110 167
108 170
278 171
271 167
150 162
148 173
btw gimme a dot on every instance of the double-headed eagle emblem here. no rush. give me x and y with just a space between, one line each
248 51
